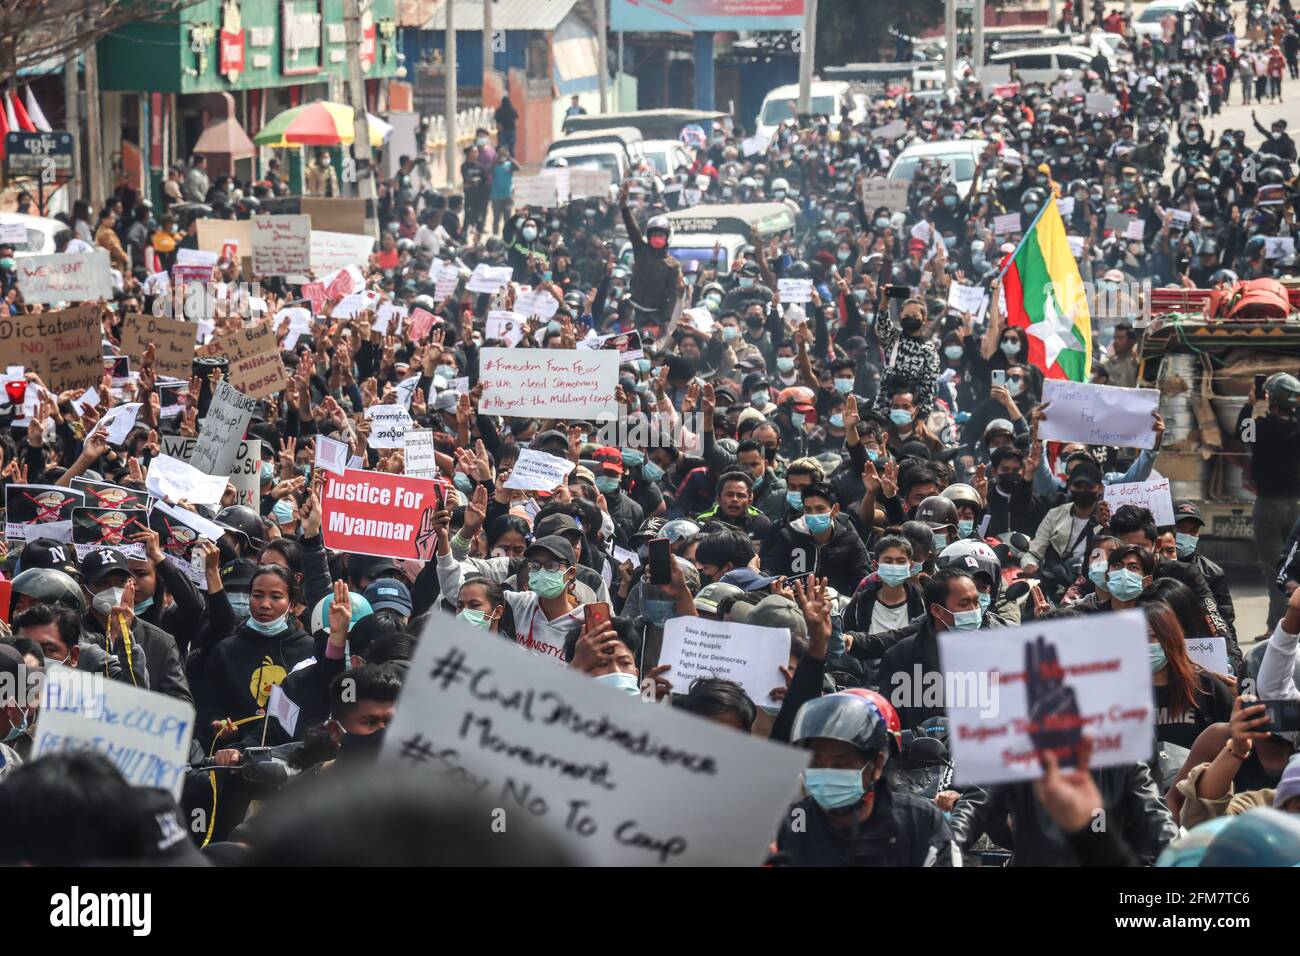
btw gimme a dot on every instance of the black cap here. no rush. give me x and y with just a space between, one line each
914 449
102 562
1003 452
553 437
48 553
557 523
1085 470
1187 509
238 573
371 566
555 545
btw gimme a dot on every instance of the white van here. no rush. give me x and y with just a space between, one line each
960 156
1045 64
1147 24
40 233
829 98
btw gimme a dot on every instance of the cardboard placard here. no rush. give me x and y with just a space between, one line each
63 348
174 337
256 368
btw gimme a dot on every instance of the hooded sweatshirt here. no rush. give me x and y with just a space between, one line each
241 670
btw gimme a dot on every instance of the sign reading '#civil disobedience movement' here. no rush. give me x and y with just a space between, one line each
548 383
613 779
371 512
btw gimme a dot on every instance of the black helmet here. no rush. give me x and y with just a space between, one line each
797 270
1033 195
844 717
936 511
1283 389
243 520
47 586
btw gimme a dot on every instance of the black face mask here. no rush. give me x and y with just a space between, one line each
1010 484
1084 499
361 746
911 325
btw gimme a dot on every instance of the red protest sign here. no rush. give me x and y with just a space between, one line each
372 512
342 285
421 322
315 293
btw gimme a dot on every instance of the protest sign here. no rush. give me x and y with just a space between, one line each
616 780
118 422
119 369
489 278
179 532
174 479
337 250
890 193
1018 691
65 277
245 471
281 245
1180 219
1076 245
342 282
421 324
1065 206
256 368
892 130
506 326
385 316
537 302
1278 247
1099 414
335 213
63 348
95 528
406 390
794 290
1210 652
446 279
14 233
144 734
1152 494
354 303
1117 222
331 455
967 298
388 426
700 319
174 338
589 183
551 383
102 494
373 512
1006 224
538 471
1136 229
1099 103
216 234
418 460
748 655
227 419
40 511
627 344
170 394
535 191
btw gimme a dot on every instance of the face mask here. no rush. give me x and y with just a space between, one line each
142 606
1112 207
794 499
7 264
283 511
894 574
651 472
1009 484
760 398
950 201
607 484
1013 387
16 732
953 352
632 457
940 541
918 567
842 255
1010 349
268 473
1084 499
643 365
239 604
1186 543
837 421
658 242
834 789
730 333
882 223
746 282
1158 657
1031 207
658 611
818 524
966 620
529 233
911 324
985 601
844 385
273 626
546 584
778 194
627 683
1097 573
366 746
900 416
106 600
1124 584
872 455
463 482
785 363
475 618
964 528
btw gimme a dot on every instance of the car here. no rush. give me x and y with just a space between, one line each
1045 64
667 155
1148 23
40 233
959 156
616 149
829 98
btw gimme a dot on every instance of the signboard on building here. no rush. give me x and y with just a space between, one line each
628 16
43 156
301 37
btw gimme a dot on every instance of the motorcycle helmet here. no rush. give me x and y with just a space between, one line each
1259 837
849 718
678 528
712 595
660 224
47 586
893 725
1282 389
963 494
973 557
243 521
937 512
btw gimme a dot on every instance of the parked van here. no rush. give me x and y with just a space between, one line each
1045 64
615 149
829 98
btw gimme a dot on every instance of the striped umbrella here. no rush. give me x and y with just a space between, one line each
318 124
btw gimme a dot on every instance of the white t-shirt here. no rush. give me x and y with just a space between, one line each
1078 540
886 618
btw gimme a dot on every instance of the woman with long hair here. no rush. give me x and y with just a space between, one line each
1188 698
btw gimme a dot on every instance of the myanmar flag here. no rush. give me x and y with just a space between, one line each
1045 296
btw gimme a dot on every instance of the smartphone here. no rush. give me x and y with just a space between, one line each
1283 715
547 275
597 616
998 377
1259 386
660 561
898 291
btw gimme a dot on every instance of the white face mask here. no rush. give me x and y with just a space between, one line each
106 600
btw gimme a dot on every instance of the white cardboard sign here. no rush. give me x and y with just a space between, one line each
538 471
1152 494
750 656
550 383
1099 414
388 426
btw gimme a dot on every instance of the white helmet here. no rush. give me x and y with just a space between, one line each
780 185
969 546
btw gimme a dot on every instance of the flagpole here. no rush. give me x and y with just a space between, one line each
1025 235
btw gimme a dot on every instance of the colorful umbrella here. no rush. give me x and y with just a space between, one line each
318 124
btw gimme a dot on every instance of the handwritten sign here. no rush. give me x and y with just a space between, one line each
256 368
281 245
65 277
419 460
506 326
446 279
537 302
146 735
228 416
174 338
63 348
1006 224
617 781
552 383
538 471
338 250
535 191
489 278
422 322
1210 652
331 455
794 290
1099 414
967 298
245 470
388 426
889 193
1019 691
1153 495
748 655
589 183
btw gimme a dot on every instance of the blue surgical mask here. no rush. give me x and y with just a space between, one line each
894 574
651 472
834 789
271 627
985 601
746 282
632 457
953 352
794 499
463 482
268 472
643 365
607 484
1158 656
475 618
627 683
967 620
882 222
730 333
761 397
873 456
818 524
16 732
142 606
546 584
965 527
1124 584
900 416
283 511
1186 543
529 233
1097 573
785 363
239 604
1013 387
837 421
940 541
844 385
918 567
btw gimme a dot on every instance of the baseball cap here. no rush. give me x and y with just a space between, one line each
557 523
238 573
747 579
48 553
1006 451
390 594
556 546
371 566
778 611
550 440
1086 471
609 458
102 562
1187 509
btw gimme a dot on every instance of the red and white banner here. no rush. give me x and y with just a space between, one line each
372 512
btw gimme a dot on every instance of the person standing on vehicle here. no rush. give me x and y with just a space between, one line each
1273 442
656 276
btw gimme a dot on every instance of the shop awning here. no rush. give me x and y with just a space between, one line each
226 136
506 15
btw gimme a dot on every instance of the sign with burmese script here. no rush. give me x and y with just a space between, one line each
256 368
372 512
548 383
616 781
65 277
63 348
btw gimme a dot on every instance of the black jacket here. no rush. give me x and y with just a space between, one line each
238 665
902 830
1132 804
184 616
857 616
842 560
912 659
166 674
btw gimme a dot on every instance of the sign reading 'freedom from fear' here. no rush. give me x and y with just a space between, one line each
548 383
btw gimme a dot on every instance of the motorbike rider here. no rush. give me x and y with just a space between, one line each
656 276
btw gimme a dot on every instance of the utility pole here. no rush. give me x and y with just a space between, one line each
72 123
807 51
449 67
489 58
602 54
94 131
949 41
977 40
361 155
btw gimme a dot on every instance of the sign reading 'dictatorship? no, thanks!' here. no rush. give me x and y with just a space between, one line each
548 383
63 348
